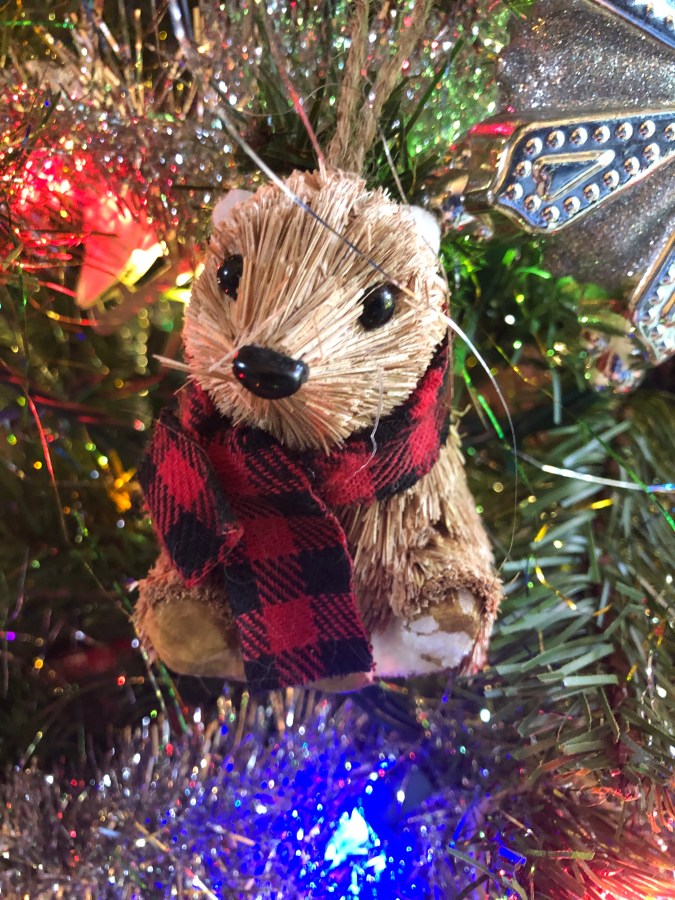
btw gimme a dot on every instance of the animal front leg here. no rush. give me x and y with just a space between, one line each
191 629
424 574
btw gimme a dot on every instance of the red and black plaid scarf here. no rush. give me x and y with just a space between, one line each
231 501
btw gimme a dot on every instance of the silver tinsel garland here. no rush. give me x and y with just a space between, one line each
304 796
297 796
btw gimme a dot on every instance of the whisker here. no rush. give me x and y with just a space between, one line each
392 167
172 363
376 425
190 370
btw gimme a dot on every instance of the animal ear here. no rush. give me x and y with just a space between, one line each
224 207
428 227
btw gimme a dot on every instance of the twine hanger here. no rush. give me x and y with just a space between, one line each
360 105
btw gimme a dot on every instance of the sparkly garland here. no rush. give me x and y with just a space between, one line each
312 797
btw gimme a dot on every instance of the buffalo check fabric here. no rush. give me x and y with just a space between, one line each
407 446
231 502
187 503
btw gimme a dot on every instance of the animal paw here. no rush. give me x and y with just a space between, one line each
190 629
430 642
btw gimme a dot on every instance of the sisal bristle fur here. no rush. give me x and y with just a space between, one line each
301 294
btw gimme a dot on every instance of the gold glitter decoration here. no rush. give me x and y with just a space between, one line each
139 99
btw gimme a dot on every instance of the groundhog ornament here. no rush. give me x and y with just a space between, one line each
309 494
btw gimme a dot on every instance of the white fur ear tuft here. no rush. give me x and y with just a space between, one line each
428 226
223 208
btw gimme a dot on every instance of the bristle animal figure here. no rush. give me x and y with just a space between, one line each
310 496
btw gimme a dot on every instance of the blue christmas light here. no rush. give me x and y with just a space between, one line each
352 837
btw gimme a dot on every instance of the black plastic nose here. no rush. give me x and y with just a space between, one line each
267 373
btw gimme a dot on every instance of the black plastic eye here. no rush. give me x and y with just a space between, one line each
379 304
229 273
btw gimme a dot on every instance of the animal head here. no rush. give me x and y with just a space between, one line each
292 330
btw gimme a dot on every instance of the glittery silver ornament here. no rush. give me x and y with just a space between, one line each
583 154
594 60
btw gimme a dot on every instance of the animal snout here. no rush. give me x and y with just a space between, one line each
269 374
